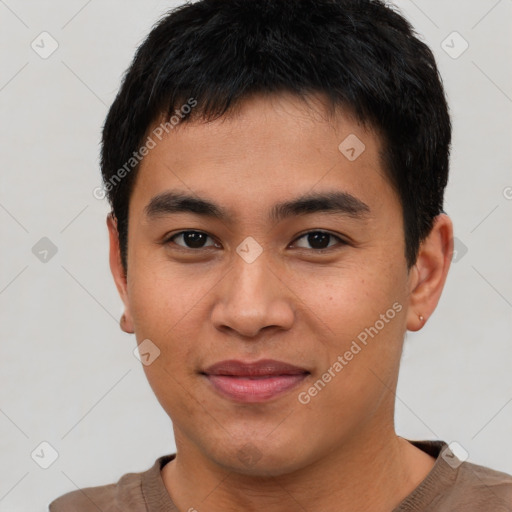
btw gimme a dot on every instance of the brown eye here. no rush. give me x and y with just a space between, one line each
318 240
191 239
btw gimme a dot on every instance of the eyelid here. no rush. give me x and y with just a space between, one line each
340 240
169 239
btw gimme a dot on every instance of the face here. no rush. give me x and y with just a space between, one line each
297 258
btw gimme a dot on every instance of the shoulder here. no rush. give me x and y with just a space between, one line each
126 495
107 498
484 487
454 485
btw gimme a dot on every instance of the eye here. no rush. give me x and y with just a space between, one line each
318 240
191 239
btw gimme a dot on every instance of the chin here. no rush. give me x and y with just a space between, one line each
261 459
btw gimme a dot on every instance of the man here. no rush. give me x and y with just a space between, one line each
276 170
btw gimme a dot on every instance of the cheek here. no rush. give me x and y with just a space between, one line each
359 316
346 299
162 313
162 307
163 295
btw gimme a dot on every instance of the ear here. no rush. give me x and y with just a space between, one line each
428 275
118 273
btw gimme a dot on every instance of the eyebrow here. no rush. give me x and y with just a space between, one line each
336 202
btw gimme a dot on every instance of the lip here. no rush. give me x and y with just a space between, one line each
253 382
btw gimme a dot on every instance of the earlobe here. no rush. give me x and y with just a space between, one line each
428 276
118 273
126 325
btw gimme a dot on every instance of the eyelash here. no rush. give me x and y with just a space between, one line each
341 242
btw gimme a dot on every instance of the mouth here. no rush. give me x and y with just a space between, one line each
254 382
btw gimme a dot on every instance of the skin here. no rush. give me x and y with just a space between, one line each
293 304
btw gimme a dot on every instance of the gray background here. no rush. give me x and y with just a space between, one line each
69 376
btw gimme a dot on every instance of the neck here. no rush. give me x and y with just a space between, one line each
387 464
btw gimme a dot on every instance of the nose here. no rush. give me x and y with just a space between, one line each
250 298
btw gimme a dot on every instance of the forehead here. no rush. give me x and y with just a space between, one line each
266 149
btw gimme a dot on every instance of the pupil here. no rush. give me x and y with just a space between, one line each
194 240
316 240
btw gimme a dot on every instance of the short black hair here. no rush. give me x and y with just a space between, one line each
362 55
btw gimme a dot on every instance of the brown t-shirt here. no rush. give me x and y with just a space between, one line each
450 486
